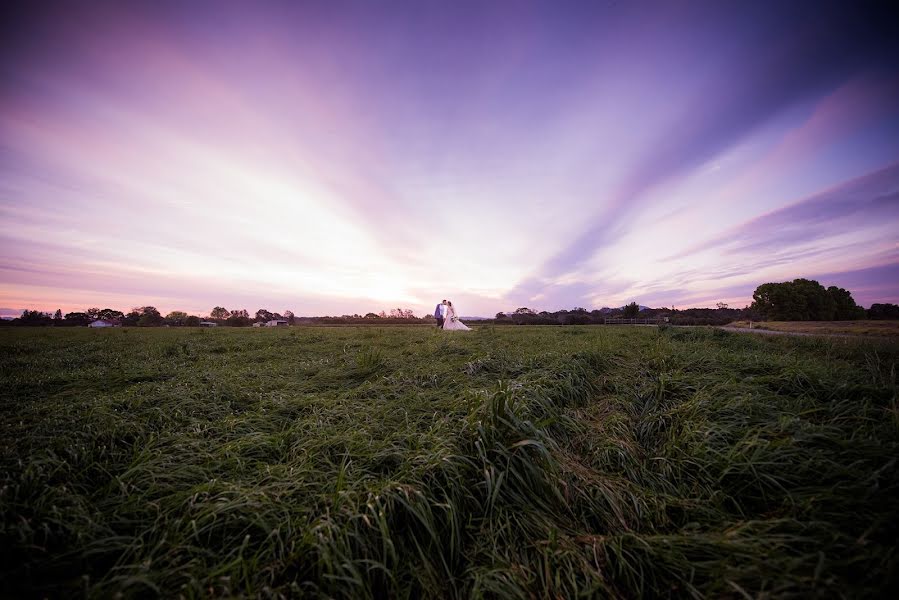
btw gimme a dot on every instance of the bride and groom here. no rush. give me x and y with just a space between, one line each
445 313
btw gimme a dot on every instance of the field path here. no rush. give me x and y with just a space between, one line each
794 333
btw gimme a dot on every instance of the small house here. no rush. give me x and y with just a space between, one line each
276 323
208 324
102 323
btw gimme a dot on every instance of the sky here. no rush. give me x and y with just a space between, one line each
345 157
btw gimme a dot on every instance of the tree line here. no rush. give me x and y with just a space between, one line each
797 300
149 316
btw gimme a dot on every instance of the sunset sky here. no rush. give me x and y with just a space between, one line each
341 157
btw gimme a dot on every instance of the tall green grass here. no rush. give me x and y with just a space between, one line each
402 462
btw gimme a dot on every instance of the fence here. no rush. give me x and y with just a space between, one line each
620 321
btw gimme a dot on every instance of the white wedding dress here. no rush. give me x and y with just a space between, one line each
453 322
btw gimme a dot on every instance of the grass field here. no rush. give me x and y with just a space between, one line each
863 328
407 462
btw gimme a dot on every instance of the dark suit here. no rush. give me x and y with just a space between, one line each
438 316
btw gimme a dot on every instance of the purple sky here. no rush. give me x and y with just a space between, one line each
342 157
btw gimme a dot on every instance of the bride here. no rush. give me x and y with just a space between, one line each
452 321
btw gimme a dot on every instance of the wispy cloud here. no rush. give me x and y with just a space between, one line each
867 203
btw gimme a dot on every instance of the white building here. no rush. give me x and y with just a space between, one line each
102 323
208 324
276 323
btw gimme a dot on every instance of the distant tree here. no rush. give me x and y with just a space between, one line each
500 315
524 310
238 320
797 300
575 317
382 315
149 316
372 315
176 318
776 301
820 305
721 305
34 317
219 313
108 314
192 321
77 319
93 313
883 312
290 317
264 315
845 307
631 310
57 316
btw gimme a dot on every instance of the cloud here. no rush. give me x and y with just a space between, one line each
354 157
792 61
869 201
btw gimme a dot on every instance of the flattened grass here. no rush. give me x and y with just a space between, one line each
403 462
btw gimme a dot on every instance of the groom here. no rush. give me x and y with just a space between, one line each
440 314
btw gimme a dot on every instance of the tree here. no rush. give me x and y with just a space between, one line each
722 305
797 300
176 318
291 319
192 321
819 304
77 319
524 310
93 313
238 318
372 315
631 310
149 316
883 311
264 316
845 307
34 317
108 314
57 316
219 313
776 301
